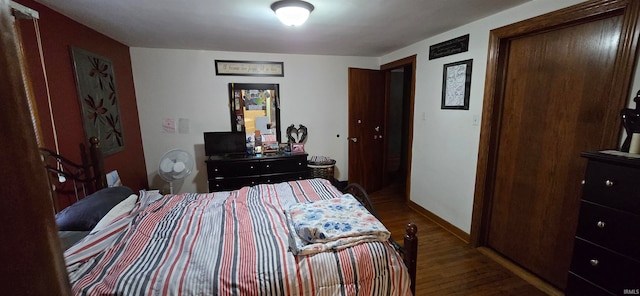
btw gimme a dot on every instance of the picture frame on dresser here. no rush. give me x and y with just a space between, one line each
297 147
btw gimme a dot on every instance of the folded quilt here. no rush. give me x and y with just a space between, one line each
332 224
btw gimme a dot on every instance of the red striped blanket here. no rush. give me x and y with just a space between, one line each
226 243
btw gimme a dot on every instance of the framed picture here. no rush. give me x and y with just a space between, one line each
297 147
249 68
99 99
456 83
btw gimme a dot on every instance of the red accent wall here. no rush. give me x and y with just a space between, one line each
59 33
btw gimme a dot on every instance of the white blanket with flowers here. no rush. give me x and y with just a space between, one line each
334 224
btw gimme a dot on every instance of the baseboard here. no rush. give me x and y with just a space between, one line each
521 272
459 233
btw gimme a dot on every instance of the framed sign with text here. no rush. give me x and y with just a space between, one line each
249 68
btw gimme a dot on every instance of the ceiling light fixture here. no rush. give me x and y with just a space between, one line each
292 12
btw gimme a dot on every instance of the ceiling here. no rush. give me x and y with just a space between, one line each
335 27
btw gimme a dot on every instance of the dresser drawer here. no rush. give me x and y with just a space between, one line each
604 268
277 178
610 228
225 184
293 164
232 168
612 185
577 286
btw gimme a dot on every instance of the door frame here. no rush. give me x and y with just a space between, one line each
411 62
491 115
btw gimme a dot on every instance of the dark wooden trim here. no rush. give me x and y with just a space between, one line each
459 233
491 114
408 61
31 253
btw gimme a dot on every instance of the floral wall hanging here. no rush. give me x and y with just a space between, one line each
99 100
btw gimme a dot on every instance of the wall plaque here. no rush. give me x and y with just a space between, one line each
249 68
449 47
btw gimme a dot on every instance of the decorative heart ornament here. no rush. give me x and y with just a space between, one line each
296 135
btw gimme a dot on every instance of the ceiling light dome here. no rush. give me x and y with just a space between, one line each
292 12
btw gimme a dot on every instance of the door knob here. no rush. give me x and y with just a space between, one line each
353 139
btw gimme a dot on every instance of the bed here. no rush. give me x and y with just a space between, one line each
241 242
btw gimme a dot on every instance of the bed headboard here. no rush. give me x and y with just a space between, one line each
69 178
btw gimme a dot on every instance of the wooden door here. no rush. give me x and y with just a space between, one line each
552 102
366 117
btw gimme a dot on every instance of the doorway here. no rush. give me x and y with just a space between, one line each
381 125
396 152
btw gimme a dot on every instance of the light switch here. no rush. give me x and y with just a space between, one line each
183 125
476 119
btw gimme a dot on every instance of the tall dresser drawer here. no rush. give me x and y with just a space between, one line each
580 287
613 185
606 253
604 268
617 230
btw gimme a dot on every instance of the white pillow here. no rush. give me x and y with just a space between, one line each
124 207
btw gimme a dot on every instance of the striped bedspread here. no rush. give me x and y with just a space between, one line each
226 243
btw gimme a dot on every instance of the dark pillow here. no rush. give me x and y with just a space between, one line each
85 214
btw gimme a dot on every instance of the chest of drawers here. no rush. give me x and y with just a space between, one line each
606 255
230 173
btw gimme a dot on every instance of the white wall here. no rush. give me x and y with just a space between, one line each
183 84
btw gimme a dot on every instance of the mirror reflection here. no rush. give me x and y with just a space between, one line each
255 107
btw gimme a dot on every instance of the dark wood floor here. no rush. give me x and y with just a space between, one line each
446 265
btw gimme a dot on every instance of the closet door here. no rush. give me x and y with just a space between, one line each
554 104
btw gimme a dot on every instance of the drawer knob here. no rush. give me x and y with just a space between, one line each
215 170
600 224
267 166
594 262
608 183
251 167
583 182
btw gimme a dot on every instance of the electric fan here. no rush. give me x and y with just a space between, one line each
175 165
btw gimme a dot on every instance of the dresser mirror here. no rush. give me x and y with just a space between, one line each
255 107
